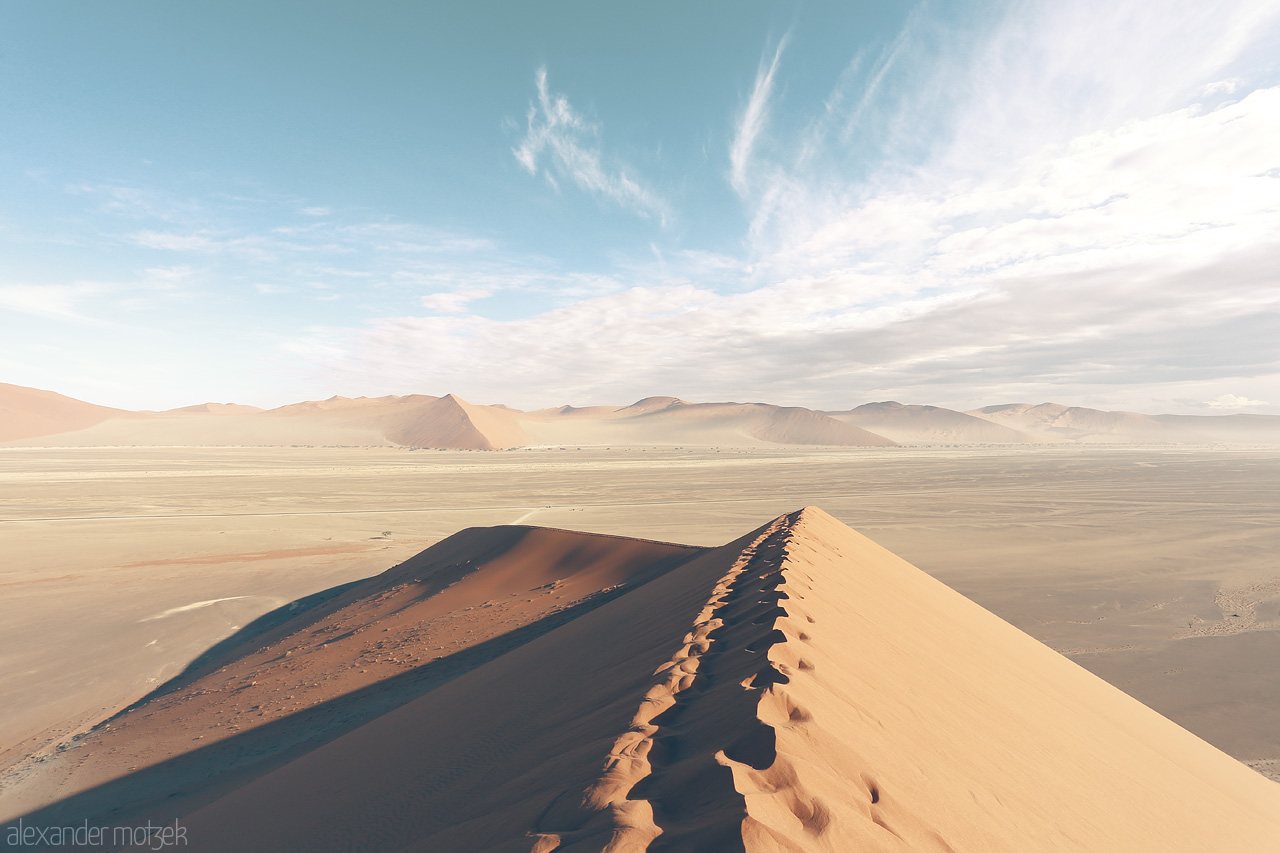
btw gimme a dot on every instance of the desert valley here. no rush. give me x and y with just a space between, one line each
449 626
757 427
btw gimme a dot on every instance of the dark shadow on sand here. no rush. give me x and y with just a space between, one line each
185 783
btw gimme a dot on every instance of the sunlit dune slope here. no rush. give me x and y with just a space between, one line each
30 412
800 688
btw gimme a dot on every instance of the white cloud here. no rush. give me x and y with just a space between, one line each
84 301
136 202
1228 87
315 344
1233 401
563 145
1053 209
175 242
452 303
54 301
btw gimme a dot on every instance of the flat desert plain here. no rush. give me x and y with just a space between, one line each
1155 568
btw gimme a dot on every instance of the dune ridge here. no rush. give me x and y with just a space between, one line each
31 412
34 418
931 424
1079 423
643 782
451 422
738 745
423 421
800 688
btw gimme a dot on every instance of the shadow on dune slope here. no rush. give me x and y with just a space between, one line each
182 784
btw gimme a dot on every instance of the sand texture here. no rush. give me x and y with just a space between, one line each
517 688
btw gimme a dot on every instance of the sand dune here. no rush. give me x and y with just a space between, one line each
447 422
1076 423
668 420
451 422
512 688
214 409
414 420
29 412
43 419
930 425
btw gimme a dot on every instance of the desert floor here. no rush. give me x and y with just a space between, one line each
1158 569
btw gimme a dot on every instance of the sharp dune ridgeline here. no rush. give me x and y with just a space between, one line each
30 413
34 418
528 689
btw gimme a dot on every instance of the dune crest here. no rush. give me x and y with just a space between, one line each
30 412
451 422
768 730
800 688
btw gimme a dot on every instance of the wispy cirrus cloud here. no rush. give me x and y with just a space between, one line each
454 302
90 301
1104 239
54 301
751 121
563 145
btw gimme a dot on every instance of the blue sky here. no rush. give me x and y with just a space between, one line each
816 204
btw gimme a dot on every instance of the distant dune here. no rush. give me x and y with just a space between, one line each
452 423
214 409
930 425
518 688
42 418
669 420
30 412
1077 423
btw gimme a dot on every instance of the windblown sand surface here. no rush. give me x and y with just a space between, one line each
515 688
1154 568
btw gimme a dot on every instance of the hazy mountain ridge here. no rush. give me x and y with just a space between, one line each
32 417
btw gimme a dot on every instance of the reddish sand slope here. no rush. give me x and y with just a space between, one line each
798 689
454 423
930 424
28 412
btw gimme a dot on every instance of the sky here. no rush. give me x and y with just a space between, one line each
804 203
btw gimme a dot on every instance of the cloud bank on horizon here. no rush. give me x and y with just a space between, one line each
1026 201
